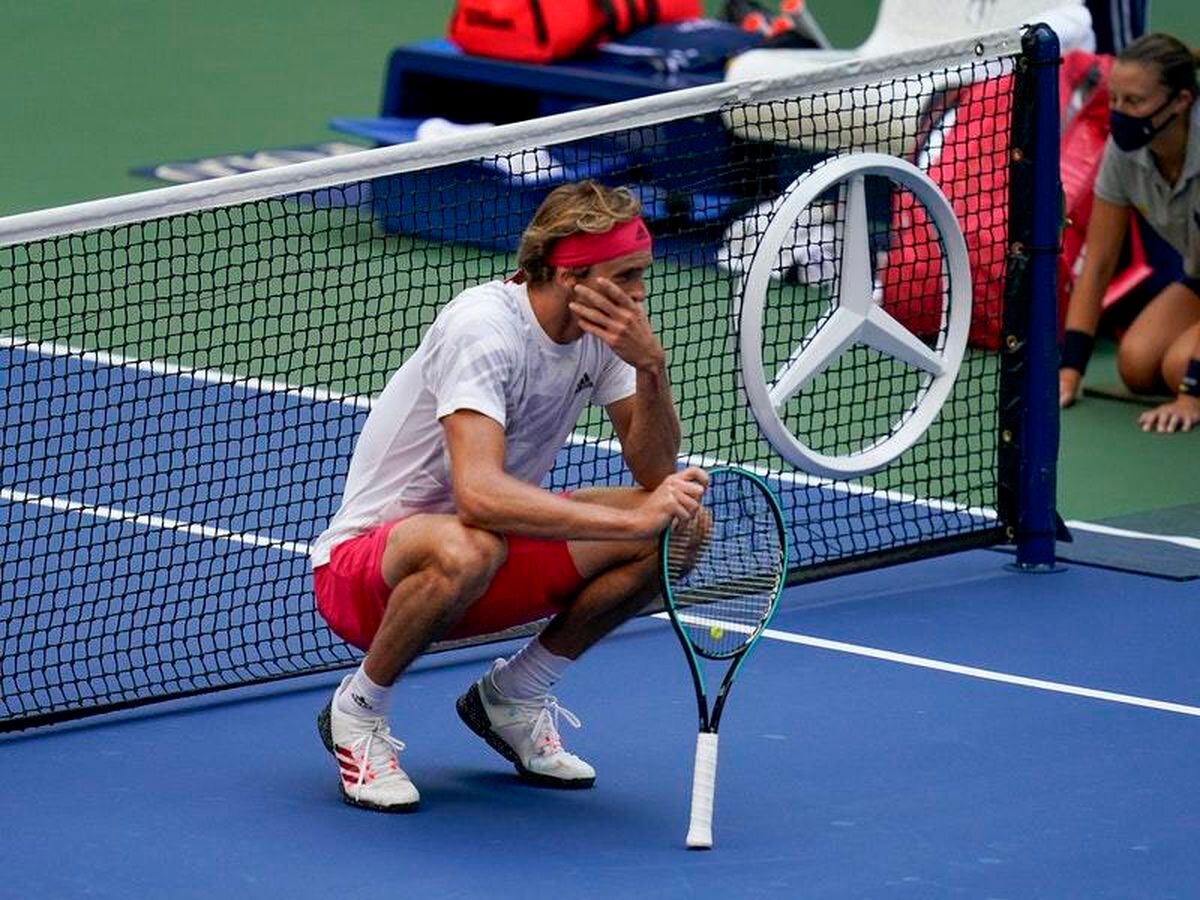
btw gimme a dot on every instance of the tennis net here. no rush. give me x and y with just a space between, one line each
186 370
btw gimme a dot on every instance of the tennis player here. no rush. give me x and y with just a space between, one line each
443 530
1151 163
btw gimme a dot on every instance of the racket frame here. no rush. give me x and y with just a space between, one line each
704 776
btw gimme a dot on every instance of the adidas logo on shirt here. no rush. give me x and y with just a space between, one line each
584 383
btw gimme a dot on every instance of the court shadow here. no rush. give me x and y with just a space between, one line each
477 789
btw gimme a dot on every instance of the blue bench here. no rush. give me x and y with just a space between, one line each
435 79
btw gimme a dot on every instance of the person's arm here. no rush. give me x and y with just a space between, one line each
646 423
487 497
1105 235
648 429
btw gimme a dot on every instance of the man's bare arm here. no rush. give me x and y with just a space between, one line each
489 498
648 428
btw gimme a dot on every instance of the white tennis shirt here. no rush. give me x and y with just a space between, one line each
484 352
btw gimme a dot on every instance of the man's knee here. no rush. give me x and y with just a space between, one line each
467 558
595 558
641 564
464 560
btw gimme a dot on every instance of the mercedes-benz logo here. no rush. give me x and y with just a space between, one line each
856 319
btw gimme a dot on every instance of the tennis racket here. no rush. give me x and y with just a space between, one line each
721 577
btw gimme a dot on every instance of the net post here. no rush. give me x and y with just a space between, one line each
1030 418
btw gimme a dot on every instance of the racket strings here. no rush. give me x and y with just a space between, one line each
725 567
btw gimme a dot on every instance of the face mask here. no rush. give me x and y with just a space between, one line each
1131 133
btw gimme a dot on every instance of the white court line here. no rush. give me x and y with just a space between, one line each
115 514
956 669
207 376
1190 543
216 376
984 674
120 515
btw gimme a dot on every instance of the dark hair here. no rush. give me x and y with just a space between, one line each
1175 63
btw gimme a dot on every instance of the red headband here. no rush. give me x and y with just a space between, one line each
584 248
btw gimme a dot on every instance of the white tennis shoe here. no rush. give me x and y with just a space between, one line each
369 773
525 732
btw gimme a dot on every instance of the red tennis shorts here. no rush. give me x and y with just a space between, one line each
538 579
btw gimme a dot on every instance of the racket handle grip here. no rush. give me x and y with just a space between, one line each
704 784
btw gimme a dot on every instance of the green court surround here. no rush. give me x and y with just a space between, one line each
94 90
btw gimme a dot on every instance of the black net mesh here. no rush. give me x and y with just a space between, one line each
181 396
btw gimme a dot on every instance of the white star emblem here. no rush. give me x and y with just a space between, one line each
857 318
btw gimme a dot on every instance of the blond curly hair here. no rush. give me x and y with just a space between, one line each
570 208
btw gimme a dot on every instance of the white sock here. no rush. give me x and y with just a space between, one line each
362 697
530 673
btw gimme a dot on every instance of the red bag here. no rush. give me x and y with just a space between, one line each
971 168
969 162
541 31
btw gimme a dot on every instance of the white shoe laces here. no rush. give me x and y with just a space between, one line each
386 750
545 737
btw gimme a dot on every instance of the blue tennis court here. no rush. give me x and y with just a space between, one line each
842 774
943 728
